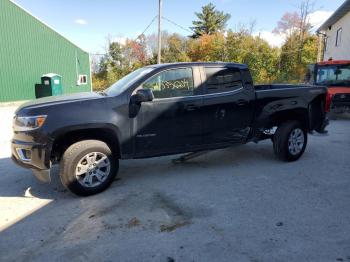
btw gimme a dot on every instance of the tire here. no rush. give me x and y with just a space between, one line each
289 141
88 167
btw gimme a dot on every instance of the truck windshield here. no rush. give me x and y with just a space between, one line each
333 75
124 83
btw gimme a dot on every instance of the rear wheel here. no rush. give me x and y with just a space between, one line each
88 167
289 141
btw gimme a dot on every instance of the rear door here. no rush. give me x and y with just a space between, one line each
228 104
172 122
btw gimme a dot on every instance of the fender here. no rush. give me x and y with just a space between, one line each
81 128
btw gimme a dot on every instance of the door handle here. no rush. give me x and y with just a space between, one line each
242 102
191 107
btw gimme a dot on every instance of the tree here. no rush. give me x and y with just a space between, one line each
305 9
296 28
115 53
175 49
291 69
207 48
209 21
288 24
297 25
261 58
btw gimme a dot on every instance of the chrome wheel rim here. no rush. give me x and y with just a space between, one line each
92 169
296 141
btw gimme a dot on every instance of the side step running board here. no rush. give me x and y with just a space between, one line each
189 156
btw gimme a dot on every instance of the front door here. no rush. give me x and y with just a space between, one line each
172 121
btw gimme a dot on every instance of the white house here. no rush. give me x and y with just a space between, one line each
336 34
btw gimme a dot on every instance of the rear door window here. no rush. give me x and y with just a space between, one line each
220 79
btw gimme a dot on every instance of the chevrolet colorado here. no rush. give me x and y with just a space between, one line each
160 110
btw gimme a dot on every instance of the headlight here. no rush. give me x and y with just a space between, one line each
26 123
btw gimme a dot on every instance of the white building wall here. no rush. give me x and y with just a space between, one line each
341 52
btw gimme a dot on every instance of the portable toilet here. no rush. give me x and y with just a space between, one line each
52 82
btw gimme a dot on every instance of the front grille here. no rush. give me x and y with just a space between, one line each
341 98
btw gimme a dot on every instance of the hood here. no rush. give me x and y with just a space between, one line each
61 99
337 90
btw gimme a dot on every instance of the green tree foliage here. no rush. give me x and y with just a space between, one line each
210 21
291 69
115 53
261 58
175 49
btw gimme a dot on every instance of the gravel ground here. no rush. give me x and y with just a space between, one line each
237 204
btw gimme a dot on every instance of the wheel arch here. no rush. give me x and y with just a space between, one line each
68 136
317 112
298 114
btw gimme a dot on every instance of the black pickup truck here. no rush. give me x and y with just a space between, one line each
160 110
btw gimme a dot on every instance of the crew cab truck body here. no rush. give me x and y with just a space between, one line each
335 74
160 110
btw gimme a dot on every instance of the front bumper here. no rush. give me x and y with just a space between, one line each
34 156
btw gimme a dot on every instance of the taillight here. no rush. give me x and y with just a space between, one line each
328 102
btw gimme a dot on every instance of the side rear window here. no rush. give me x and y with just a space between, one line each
221 79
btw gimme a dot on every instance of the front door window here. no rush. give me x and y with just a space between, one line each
171 83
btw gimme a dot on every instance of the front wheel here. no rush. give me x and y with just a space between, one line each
88 167
289 141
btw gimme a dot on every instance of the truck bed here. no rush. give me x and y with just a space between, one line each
280 86
272 100
302 92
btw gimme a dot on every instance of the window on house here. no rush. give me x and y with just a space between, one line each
338 40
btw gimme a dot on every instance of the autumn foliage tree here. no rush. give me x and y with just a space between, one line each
207 48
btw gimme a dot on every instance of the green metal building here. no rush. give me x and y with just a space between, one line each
30 49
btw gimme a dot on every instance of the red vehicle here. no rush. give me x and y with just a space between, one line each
335 74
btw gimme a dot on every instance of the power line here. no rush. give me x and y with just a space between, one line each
176 24
143 32
148 26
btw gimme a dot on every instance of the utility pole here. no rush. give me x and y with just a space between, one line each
159 31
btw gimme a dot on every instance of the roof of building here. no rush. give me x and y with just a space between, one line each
338 14
334 62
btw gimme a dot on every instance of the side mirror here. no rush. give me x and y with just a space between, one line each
142 95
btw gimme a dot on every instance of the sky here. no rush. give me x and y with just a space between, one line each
89 23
